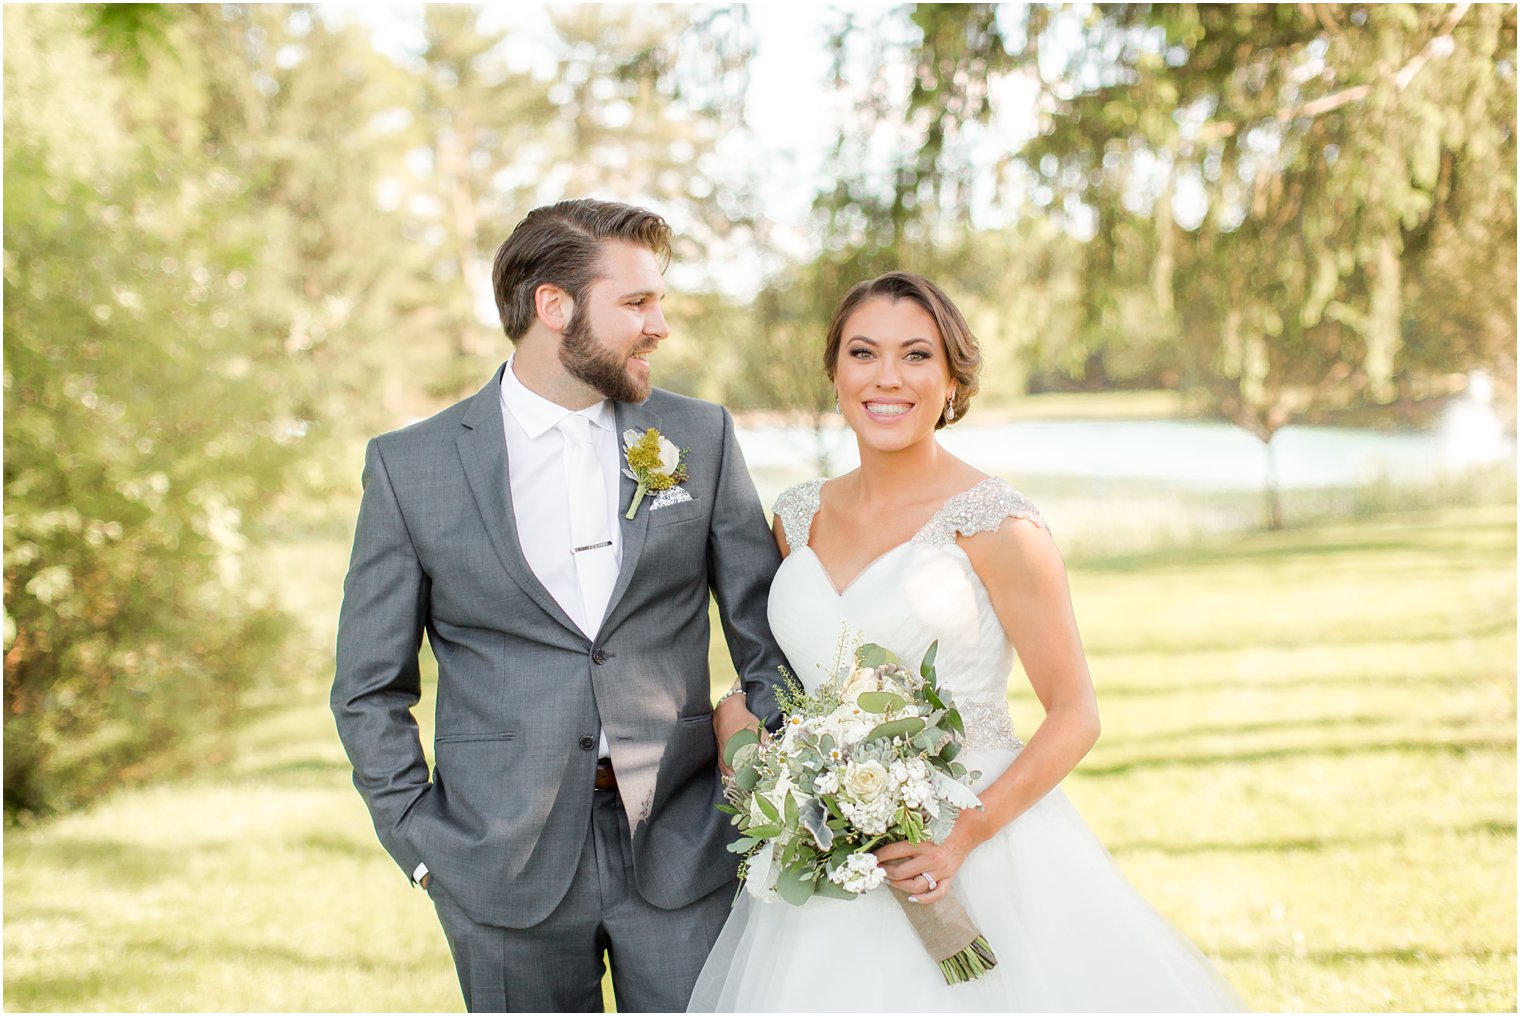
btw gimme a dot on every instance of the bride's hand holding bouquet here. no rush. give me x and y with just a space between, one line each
907 864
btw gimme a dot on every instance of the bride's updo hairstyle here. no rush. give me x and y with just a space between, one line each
960 345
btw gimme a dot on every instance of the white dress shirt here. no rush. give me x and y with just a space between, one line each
540 502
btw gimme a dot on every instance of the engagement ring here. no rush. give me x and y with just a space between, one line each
933 885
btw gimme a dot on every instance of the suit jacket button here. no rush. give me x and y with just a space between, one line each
599 656
588 742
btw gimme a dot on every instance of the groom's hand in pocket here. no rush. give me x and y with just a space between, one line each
729 717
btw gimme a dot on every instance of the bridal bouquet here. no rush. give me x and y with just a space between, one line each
865 760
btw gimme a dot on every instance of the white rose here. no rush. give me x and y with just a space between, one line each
855 729
866 781
860 681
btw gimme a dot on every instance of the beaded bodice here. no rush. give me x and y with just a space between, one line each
914 594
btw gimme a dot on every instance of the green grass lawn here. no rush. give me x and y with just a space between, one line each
1308 764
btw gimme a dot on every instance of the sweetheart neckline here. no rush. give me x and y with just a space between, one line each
828 576
840 594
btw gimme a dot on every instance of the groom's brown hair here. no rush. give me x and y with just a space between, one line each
561 245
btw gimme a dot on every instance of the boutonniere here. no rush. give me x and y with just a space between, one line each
654 462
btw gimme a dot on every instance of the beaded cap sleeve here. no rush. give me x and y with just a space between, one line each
796 507
978 510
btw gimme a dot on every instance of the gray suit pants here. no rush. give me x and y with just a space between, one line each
556 965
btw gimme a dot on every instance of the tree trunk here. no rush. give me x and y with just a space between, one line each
1273 491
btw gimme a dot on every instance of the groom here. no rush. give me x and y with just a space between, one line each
570 806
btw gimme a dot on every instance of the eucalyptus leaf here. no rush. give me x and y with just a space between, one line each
926 668
746 736
880 701
929 738
764 832
873 655
767 808
794 887
745 779
905 727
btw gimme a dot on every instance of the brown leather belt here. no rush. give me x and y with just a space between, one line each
606 779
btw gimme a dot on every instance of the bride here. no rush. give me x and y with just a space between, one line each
915 546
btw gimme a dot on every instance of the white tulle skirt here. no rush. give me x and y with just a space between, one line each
1069 932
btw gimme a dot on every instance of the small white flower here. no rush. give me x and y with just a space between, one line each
858 873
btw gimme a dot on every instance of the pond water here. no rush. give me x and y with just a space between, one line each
1112 486
1194 454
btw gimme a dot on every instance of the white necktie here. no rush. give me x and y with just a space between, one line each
590 535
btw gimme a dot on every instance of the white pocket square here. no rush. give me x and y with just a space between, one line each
666 498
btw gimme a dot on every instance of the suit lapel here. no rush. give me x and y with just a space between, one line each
483 453
630 416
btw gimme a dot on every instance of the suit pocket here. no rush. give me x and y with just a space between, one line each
683 512
500 735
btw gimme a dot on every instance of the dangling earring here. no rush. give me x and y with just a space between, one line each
950 408
836 404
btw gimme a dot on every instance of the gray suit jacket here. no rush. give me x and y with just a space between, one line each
501 819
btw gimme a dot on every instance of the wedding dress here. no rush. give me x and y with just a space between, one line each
1069 932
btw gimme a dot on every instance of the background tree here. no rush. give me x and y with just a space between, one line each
1285 165
192 267
634 107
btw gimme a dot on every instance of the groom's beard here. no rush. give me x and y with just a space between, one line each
593 364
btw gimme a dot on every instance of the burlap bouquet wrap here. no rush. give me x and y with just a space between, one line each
947 933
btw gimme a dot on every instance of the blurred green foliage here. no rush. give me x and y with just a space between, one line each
175 335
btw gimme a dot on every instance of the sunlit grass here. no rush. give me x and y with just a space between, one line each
1308 755
1307 764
